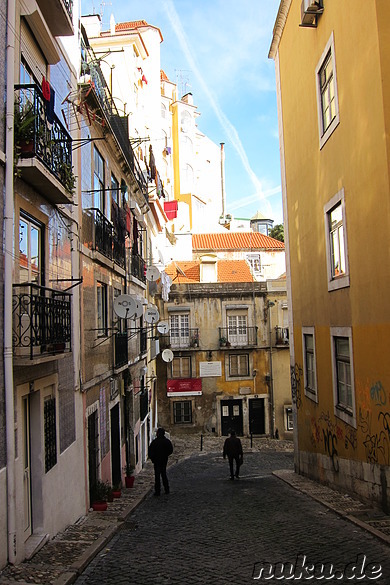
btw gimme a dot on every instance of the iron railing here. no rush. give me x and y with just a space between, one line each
69 7
180 338
237 336
121 350
118 123
38 134
106 239
118 250
281 336
41 320
143 341
138 267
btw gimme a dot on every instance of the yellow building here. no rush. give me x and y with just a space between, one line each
333 105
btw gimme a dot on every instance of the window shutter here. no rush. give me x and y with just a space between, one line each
32 53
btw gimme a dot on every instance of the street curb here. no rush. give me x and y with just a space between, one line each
350 517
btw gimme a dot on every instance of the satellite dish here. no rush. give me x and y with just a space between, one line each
167 355
125 306
152 273
163 327
151 315
139 309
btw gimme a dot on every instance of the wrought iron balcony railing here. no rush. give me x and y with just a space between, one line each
106 239
118 123
138 267
41 321
39 133
180 338
237 336
121 350
118 250
58 15
282 336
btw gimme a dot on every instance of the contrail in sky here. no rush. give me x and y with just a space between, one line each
252 198
224 121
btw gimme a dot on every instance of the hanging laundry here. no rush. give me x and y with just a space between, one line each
50 107
45 89
152 162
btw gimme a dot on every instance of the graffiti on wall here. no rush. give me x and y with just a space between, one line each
296 373
329 433
374 422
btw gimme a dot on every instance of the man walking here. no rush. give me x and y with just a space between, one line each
233 449
159 451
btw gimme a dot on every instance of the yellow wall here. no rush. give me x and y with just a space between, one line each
354 158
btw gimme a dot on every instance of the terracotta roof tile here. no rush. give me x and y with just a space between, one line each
191 270
122 26
227 271
163 75
235 241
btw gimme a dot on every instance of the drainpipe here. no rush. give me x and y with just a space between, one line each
8 244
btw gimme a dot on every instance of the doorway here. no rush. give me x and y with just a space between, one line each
231 416
115 446
256 416
93 453
27 468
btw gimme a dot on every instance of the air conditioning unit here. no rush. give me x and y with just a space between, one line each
310 9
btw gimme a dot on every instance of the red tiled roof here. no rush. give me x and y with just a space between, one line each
121 26
163 76
235 241
227 271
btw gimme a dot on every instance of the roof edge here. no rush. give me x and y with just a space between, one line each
280 22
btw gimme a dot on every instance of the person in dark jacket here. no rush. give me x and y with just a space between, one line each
233 449
159 451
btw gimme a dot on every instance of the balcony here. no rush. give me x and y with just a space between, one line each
180 339
138 267
121 350
41 321
282 336
118 124
106 239
143 345
43 147
238 336
58 15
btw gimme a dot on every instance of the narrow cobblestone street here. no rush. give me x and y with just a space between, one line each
213 530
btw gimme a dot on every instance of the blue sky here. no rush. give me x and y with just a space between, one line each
218 50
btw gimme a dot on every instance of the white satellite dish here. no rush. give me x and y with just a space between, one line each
167 355
151 315
152 273
125 306
139 309
163 327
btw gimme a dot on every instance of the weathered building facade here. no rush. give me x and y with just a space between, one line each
335 179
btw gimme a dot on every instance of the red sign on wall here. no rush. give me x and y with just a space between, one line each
184 387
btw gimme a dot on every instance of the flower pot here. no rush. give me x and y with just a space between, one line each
116 493
129 480
99 506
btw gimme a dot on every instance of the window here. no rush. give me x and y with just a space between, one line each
114 190
237 329
289 424
179 330
163 110
50 433
255 263
181 367
336 242
328 109
239 365
101 309
98 181
342 367
185 121
309 361
182 411
30 250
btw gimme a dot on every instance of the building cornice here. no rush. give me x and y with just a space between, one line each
280 22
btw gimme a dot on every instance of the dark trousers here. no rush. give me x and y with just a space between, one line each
235 458
160 469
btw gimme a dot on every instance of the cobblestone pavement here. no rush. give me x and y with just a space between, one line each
194 527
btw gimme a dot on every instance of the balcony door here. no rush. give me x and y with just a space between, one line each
179 330
237 329
30 250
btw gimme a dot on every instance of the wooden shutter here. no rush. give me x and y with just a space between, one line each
32 53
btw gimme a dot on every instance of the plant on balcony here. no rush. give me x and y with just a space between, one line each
195 341
67 176
24 128
222 341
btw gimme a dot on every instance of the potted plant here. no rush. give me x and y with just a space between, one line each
67 176
116 491
222 341
24 126
129 477
100 496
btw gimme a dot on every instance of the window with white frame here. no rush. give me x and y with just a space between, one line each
31 263
309 363
343 376
254 260
181 367
336 242
238 328
239 365
328 107
182 411
179 329
99 181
